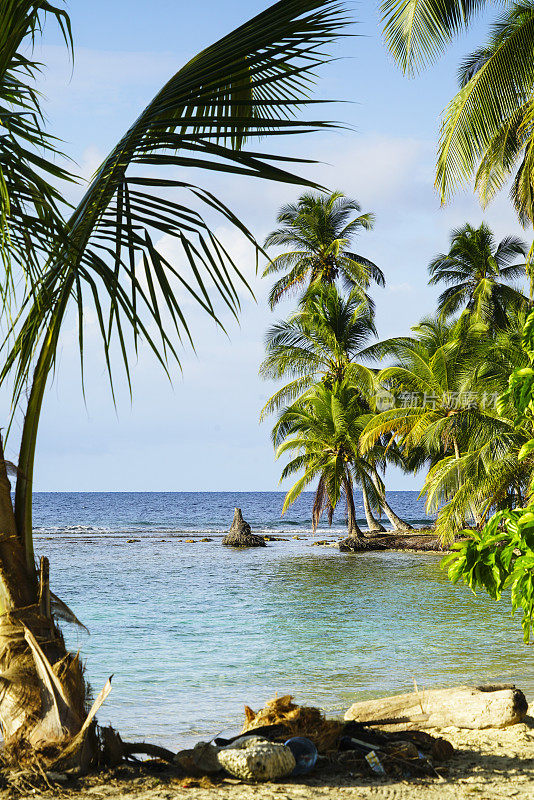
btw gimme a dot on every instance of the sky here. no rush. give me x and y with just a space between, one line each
201 432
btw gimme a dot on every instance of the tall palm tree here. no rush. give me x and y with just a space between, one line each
324 340
488 127
322 431
477 274
247 84
319 229
446 380
431 383
493 475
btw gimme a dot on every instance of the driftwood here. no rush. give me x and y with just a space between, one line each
240 534
475 707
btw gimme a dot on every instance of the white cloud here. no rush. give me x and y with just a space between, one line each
400 288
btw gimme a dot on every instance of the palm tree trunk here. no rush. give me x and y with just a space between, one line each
459 474
398 523
373 524
24 484
353 528
43 690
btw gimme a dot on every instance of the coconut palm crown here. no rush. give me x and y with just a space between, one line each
323 340
321 431
319 229
477 274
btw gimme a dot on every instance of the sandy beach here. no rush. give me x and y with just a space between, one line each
488 764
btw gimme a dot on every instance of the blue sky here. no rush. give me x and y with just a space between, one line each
202 433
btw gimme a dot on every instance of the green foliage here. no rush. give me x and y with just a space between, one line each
520 392
322 431
488 127
30 200
319 230
477 273
416 31
500 557
323 340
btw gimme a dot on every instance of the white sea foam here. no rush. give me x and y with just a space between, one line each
154 530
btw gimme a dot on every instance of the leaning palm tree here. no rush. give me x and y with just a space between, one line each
322 431
246 85
477 274
488 127
319 229
324 340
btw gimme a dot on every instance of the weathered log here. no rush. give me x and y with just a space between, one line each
240 534
475 707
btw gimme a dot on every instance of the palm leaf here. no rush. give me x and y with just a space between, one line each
416 31
251 83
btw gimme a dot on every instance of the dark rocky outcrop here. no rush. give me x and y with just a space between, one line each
240 534
355 544
391 541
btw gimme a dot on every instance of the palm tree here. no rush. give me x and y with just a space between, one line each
447 379
432 385
247 84
324 340
322 431
319 230
487 129
477 273
493 475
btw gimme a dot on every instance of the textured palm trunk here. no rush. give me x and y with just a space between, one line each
42 690
373 524
353 528
398 523
459 475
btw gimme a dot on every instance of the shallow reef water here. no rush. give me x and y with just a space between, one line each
192 630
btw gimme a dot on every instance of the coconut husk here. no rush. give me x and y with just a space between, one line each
305 721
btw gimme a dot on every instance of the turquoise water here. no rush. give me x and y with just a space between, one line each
192 632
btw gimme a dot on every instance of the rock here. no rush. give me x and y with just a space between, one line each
240 534
130 541
206 539
57 777
442 750
190 541
201 760
254 759
354 544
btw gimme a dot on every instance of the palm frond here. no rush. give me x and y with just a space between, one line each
416 31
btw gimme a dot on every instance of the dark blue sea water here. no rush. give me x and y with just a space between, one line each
192 512
193 631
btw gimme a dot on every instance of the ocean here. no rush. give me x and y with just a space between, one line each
193 631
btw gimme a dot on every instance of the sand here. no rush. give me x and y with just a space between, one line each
488 764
